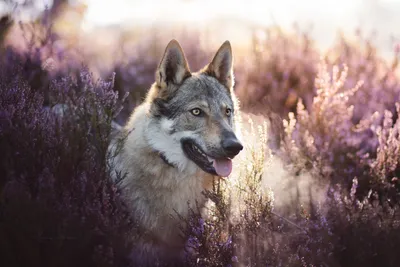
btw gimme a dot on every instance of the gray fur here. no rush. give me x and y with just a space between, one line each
154 190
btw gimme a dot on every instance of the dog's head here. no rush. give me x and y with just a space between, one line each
194 112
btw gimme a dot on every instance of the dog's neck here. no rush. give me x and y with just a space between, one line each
162 156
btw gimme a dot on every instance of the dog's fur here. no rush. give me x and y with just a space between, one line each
161 179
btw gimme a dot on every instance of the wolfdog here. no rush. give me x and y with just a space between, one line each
175 143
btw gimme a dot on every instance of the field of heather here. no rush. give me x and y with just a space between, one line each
317 184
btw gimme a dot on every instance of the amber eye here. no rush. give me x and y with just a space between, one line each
228 112
196 112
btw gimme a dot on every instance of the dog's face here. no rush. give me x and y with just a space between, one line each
195 111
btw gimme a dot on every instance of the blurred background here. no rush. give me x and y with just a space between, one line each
224 19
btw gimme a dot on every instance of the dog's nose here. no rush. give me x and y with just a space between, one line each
232 146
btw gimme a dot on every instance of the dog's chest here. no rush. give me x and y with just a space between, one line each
183 191
172 197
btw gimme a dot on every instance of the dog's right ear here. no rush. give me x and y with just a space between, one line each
173 67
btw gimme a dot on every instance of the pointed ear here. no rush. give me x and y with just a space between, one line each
173 67
221 67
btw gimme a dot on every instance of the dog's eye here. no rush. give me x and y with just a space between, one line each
196 112
228 112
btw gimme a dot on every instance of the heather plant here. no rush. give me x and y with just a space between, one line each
57 205
277 78
5 24
343 231
41 52
380 90
365 230
385 167
325 139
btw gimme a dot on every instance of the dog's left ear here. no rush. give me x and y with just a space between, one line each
221 67
173 67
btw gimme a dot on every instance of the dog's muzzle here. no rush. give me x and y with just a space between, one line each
219 164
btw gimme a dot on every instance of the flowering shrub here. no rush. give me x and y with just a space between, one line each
324 137
57 206
277 78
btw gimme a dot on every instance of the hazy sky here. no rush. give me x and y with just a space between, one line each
337 12
325 16
260 11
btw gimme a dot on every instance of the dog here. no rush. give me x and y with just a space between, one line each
175 144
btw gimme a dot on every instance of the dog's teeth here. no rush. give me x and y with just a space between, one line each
199 151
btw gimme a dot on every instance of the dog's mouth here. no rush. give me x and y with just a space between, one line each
215 166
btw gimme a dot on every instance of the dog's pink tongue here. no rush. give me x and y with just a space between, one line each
223 167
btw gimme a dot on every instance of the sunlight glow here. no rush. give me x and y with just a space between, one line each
229 18
104 12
